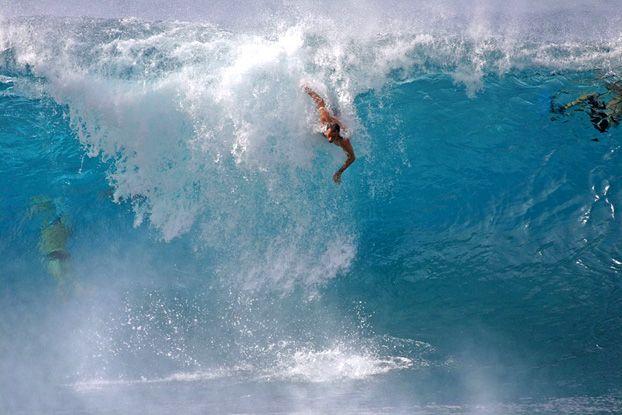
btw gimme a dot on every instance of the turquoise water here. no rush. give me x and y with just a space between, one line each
470 262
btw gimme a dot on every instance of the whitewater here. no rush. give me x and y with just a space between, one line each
172 241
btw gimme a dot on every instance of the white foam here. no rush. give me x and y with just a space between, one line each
303 365
95 384
335 364
208 130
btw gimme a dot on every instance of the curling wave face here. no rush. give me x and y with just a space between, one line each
204 132
207 129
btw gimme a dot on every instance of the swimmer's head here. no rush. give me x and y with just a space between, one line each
601 124
333 132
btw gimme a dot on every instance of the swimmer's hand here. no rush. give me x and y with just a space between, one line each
337 177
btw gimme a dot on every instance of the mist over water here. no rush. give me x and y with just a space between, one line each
172 240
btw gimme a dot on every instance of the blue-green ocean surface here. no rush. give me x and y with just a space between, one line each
171 240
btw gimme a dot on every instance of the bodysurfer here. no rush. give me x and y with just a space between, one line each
331 130
603 114
53 237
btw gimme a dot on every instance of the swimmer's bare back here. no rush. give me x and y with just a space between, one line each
332 128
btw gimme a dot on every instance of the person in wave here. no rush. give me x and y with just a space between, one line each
53 238
332 131
602 114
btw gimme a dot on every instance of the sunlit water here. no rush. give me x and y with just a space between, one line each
470 262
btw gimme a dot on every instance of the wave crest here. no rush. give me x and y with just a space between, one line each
208 130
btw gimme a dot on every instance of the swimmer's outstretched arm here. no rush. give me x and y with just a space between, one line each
578 101
319 102
325 115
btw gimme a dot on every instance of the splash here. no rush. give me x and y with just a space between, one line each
206 136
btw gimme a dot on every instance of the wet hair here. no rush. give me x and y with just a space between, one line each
595 103
599 118
335 128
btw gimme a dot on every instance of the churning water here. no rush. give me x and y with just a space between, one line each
172 241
